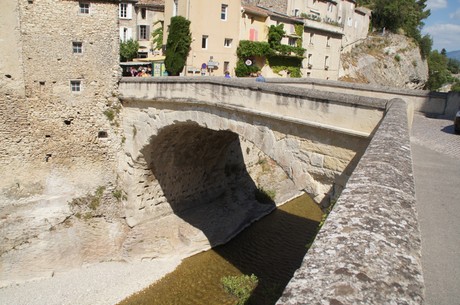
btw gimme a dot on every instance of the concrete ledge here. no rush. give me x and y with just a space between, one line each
369 249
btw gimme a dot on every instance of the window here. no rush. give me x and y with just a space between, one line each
75 85
296 12
327 41
84 7
223 12
174 8
143 32
77 47
204 42
143 13
350 21
326 63
312 35
125 10
329 7
228 42
126 34
292 41
309 62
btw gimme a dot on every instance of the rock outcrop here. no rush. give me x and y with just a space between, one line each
390 60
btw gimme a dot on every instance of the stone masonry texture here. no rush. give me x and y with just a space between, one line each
368 251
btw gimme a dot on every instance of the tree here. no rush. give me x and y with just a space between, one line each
128 50
157 36
438 73
275 34
400 14
177 45
453 65
425 45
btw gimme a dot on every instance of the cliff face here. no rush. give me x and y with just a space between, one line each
390 60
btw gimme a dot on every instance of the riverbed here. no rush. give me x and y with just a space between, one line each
271 248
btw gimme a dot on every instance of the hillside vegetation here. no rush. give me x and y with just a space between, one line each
390 60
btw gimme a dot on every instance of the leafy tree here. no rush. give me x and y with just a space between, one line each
157 35
456 86
438 73
275 34
425 44
128 50
400 14
453 65
177 45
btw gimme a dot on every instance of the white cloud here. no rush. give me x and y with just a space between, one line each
445 36
436 4
455 15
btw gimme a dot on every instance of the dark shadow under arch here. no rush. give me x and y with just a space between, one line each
204 179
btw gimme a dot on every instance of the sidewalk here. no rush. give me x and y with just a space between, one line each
436 161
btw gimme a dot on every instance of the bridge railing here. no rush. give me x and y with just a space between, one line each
369 249
342 113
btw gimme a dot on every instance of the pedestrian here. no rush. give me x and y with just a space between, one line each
227 74
260 78
133 71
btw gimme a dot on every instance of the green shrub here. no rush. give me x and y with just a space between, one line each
397 58
240 287
248 48
243 70
128 50
110 114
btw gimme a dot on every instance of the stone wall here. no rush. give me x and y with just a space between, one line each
434 103
369 249
57 145
50 128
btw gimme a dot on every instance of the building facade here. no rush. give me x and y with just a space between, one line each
215 34
57 86
137 21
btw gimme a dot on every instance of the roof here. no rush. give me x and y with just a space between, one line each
363 10
254 10
151 2
265 12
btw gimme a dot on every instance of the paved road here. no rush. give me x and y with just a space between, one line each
436 161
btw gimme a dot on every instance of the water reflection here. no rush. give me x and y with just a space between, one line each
272 249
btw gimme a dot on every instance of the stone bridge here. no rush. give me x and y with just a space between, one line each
197 151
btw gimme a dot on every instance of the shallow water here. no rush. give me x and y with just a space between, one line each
271 248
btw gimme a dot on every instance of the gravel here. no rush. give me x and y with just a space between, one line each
103 283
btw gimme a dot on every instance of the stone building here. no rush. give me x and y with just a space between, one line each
64 80
138 19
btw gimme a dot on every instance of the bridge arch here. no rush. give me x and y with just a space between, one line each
178 158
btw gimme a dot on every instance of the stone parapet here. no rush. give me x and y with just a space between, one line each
369 249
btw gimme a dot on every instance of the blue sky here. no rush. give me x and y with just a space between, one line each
444 24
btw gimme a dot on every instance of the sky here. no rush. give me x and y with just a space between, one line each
443 25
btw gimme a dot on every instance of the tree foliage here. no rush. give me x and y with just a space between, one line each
128 50
438 73
400 14
275 34
177 45
425 45
453 65
157 35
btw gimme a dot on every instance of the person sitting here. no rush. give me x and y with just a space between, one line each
227 74
133 71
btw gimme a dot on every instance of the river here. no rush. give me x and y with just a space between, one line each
271 248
